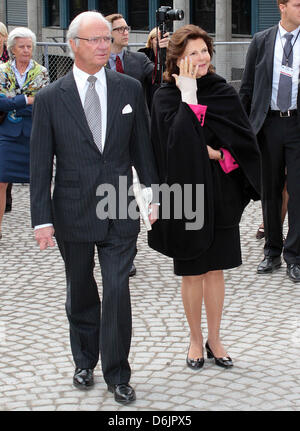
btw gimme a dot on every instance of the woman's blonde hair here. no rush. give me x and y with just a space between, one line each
151 36
3 30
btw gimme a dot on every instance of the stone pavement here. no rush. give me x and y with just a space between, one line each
260 328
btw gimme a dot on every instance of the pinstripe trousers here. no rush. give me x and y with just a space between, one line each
97 327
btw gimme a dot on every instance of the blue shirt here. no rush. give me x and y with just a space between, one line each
112 59
21 78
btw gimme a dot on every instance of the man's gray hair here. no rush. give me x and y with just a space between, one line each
16 33
75 25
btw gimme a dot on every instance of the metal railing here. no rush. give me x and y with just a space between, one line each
229 58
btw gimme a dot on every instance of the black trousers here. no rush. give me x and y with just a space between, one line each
279 141
94 328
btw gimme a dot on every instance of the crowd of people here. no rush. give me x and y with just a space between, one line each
110 113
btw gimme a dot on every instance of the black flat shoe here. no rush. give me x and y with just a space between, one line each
225 362
123 393
83 378
269 264
195 364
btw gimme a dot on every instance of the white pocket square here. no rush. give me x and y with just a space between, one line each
127 109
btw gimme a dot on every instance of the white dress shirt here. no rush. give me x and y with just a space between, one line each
101 88
278 54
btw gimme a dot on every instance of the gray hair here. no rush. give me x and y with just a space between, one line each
75 25
16 33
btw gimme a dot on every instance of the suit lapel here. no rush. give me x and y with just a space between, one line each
269 51
113 101
72 102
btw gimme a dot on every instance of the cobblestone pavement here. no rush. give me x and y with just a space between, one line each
260 328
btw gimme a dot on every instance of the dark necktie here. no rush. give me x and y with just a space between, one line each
284 96
119 66
92 109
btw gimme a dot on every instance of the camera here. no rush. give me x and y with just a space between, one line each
166 13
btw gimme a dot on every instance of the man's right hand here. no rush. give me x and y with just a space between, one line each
44 237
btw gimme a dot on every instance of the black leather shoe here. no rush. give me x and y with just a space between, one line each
293 271
225 362
132 271
269 264
83 378
123 393
195 364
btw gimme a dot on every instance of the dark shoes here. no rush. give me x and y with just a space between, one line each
225 362
8 208
269 264
293 271
123 393
260 234
195 364
83 378
132 271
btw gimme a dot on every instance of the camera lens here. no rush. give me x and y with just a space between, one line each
175 14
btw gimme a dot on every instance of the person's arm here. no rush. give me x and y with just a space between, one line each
12 103
41 167
247 84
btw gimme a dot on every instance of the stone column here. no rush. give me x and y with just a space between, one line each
3 12
223 34
185 6
35 20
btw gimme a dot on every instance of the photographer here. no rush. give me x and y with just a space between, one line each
152 50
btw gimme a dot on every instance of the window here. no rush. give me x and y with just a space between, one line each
241 16
53 12
138 14
203 14
107 7
76 7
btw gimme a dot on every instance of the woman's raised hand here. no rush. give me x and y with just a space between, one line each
186 69
186 81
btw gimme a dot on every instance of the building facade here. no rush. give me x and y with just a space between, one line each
225 20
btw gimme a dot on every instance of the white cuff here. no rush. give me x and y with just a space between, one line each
188 88
39 226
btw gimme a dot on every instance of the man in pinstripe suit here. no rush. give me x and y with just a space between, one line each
62 128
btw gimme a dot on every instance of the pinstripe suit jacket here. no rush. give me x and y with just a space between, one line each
60 129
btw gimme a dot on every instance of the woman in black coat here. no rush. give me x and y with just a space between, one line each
201 136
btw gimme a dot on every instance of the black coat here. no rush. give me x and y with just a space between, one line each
179 144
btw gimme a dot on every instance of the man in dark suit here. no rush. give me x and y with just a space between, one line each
270 94
93 121
135 64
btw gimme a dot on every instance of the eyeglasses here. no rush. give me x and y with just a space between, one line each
122 29
95 40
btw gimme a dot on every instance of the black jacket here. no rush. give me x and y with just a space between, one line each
179 144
